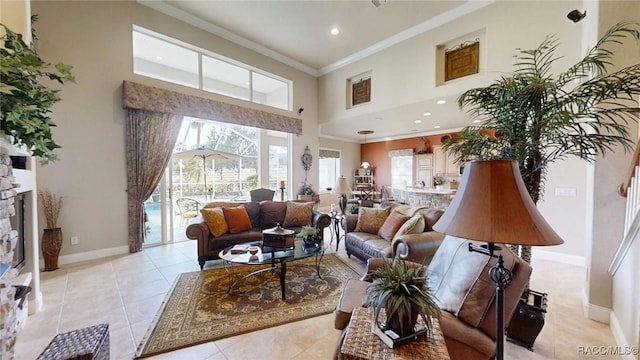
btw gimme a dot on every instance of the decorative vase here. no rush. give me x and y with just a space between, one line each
51 244
404 326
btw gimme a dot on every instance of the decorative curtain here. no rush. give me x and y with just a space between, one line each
324 154
400 152
150 138
139 96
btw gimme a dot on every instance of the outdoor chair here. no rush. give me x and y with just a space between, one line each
261 194
188 209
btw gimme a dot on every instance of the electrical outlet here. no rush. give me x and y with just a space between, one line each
75 240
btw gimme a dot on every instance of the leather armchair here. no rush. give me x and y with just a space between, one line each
460 281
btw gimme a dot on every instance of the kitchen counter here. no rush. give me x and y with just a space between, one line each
418 196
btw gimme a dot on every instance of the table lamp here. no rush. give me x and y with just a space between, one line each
492 204
342 188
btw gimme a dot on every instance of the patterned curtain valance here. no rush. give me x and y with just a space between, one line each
400 152
329 154
138 96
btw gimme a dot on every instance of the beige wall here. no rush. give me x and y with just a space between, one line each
402 74
95 37
405 73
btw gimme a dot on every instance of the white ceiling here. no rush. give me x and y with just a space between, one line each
298 34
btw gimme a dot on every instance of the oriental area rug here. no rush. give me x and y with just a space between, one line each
198 309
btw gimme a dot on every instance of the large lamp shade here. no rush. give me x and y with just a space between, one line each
492 204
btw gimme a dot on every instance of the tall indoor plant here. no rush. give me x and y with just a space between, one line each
26 99
537 118
52 236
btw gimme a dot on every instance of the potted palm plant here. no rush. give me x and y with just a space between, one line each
536 118
402 291
52 236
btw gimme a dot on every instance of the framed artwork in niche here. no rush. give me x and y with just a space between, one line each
462 61
361 92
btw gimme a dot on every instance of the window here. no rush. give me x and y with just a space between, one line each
329 168
278 165
161 57
401 171
223 78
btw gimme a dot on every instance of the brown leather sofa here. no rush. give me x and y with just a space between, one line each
418 247
263 215
460 281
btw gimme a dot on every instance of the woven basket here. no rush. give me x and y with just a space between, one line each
51 244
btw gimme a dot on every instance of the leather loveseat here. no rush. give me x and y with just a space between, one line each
262 215
419 244
460 281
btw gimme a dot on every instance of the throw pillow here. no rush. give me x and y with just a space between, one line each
272 213
370 220
237 219
214 217
298 214
414 225
391 225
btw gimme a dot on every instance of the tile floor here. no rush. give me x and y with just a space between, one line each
127 290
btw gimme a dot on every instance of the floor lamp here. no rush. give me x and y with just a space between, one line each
492 204
342 188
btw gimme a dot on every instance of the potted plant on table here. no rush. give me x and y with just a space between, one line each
439 181
52 236
308 234
402 291
307 193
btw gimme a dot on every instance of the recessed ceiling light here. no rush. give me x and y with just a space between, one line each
437 127
418 121
477 121
158 57
335 31
440 102
427 114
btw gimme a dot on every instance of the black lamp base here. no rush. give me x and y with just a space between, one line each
342 201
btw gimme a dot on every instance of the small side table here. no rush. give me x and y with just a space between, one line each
360 343
336 218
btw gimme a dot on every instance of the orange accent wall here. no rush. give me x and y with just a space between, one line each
377 153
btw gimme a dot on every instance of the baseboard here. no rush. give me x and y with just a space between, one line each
621 340
595 312
89 255
558 257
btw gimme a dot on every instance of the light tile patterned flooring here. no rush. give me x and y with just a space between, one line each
126 291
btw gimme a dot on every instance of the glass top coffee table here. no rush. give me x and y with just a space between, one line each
276 257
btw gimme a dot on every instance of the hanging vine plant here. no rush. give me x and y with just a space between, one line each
26 102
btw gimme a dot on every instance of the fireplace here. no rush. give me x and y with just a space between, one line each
18 224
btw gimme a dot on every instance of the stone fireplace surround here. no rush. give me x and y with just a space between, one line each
12 182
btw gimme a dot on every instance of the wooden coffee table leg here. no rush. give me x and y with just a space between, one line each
283 272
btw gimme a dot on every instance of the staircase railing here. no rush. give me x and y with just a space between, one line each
630 189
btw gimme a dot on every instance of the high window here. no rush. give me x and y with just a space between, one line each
161 57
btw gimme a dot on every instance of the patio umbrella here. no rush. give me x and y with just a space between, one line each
204 154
